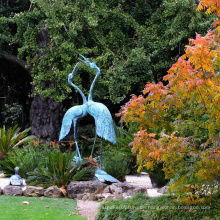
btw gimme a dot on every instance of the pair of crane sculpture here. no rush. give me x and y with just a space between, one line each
100 113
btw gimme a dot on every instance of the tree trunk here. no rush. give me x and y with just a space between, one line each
45 118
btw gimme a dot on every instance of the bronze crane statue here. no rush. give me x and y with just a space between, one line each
103 123
73 114
101 114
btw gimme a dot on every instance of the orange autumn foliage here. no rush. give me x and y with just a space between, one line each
179 124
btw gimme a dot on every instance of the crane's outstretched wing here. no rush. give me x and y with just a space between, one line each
103 121
72 114
101 174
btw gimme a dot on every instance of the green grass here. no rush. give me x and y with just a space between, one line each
12 207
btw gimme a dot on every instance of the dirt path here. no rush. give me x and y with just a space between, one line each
89 209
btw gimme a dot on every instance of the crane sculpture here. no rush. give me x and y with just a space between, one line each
101 115
73 114
103 122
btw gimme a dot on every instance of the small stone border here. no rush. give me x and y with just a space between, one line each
81 190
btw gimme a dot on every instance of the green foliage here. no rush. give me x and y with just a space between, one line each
131 42
12 114
157 176
60 169
26 158
115 164
12 138
163 207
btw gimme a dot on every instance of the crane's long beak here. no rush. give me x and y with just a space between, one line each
86 61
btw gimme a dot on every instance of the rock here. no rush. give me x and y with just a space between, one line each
126 195
107 189
114 189
91 197
127 188
0 190
34 191
12 190
163 189
100 190
79 196
108 196
139 190
53 192
85 197
81 187
99 197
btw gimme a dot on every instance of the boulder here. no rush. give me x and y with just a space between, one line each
81 187
91 197
34 191
53 192
12 190
126 188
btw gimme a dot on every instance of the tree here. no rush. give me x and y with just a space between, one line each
46 37
178 123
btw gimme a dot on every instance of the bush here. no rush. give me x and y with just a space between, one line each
115 164
26 158
157 176
143 207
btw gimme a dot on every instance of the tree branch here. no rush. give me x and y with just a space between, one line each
14 59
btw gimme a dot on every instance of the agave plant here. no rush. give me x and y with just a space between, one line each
11 138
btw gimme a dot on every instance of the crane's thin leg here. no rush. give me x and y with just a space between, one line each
75 139
93 145
101 155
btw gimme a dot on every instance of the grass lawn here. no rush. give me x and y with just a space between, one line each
13 208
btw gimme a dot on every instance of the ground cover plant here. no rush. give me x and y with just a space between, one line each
143 207
26 208
178 121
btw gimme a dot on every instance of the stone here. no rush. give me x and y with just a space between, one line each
53 192
85 197
108 196
91 197
99 197
106 189
163 190
115 189
126 195
81 187
12 190
79 196
33 191
139 190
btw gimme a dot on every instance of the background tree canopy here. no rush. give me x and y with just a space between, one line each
132 42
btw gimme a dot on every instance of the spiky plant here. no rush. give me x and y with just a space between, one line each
12 138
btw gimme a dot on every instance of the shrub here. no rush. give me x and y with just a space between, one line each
115 164
144 207
26 158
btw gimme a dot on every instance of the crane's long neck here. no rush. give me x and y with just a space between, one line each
93 83
79 90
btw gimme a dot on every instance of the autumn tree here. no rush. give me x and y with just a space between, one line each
178 123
